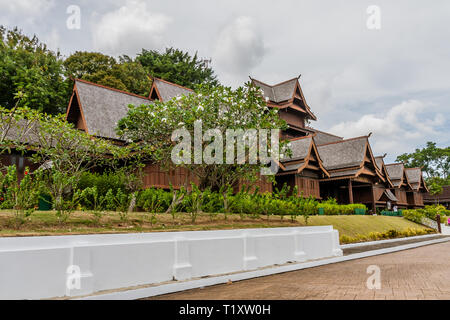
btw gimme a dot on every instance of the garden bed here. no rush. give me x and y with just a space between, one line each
351 228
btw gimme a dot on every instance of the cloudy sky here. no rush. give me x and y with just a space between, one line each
393 81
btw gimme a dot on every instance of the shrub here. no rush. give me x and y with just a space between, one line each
154 200
413 215
103 182
22 196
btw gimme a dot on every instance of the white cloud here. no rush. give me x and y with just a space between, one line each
34 7
27 10
399 130
129 29
239 47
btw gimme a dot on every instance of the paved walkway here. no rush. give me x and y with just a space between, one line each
421 273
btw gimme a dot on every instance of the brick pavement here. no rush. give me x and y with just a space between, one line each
420 273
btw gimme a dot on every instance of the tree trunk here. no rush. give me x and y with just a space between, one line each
132 203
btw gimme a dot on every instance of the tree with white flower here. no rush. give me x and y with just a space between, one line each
218 109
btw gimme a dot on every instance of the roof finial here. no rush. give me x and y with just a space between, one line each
369 135
299 76
385 155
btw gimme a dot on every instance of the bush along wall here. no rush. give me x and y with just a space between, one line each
429 212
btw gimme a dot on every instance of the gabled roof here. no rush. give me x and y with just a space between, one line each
300 148
165 90
303 150
21 132
347 158
390 195
415 178
380 162
397 174
343 154
280 92
395 171
322 137
102 107
383 170
283 95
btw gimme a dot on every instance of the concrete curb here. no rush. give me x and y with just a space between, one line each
200 283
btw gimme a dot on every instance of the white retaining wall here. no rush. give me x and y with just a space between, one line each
37 267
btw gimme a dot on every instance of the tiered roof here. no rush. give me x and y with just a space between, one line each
349 158
287 94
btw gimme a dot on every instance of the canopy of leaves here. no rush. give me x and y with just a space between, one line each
218 108
125 74
27 65
434 161
178 67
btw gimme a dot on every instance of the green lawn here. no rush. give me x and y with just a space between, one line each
351 228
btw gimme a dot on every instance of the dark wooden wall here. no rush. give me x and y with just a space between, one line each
155 177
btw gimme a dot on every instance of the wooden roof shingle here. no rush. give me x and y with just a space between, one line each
103 107
166 90
343 154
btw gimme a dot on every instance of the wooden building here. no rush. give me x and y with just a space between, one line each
439 199
303 168
354 174
21 159
97 110
400 183
322 165
288 98
418 188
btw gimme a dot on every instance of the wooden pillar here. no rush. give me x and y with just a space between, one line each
350 191
374 204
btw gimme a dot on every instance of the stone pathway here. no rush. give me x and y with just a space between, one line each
420 273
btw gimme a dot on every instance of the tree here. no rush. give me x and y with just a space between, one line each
65 154
434 161
127 74
15 126
154 127
28 66
178 67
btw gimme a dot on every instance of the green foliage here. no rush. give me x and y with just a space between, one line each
96 202
127 74
434 161
429 212
103 181
332 209
218 108
177 66
21 195
28 66
391 234
154 200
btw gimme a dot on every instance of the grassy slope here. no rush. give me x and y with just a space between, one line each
362 225
45 223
